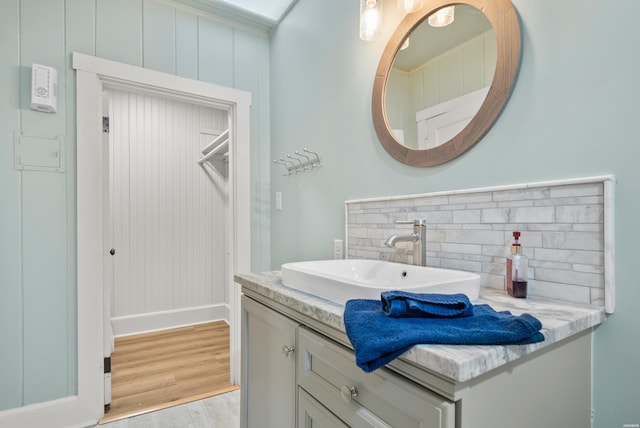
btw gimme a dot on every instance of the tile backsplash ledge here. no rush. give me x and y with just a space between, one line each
566 225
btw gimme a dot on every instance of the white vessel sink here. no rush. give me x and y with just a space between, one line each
342 280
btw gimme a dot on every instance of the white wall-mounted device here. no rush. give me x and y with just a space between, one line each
44 88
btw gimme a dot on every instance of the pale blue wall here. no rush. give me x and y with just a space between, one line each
37 209
572 114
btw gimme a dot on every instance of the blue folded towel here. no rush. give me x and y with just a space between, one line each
405 304
378 339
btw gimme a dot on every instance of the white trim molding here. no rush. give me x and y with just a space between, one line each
92 74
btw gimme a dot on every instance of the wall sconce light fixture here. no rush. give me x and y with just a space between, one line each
442 17
409 6
370 19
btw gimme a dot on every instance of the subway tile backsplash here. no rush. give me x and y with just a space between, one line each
566 227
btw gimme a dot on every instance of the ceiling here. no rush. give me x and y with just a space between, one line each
428 42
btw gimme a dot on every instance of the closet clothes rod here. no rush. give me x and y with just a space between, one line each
220 139
221 148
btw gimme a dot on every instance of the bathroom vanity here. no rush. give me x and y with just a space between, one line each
298 369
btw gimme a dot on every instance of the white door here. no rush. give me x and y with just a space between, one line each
109 253
442 122
170 223
166 217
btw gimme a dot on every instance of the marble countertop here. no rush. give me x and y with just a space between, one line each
560 320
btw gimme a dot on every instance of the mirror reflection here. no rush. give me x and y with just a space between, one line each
439 81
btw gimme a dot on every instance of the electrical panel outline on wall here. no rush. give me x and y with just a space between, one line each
37 153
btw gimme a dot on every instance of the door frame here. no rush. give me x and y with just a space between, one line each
92 74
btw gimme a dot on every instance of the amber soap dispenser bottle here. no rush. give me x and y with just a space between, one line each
517 270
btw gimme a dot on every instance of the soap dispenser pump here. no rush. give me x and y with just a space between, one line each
517 265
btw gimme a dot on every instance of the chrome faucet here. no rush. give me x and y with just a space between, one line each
418 237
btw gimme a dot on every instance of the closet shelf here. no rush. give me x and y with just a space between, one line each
219 148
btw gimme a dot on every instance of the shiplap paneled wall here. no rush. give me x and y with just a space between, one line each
37 216
169 213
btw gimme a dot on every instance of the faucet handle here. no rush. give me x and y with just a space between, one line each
416 222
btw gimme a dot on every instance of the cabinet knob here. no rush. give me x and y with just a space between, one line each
348 393
287 350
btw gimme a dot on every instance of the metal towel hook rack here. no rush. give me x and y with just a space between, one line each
299 162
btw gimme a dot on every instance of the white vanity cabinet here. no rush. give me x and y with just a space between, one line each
299 371
268 383
331 390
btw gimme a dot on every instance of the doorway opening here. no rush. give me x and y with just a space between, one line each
95 255
166 222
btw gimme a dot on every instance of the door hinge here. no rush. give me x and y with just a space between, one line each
105 124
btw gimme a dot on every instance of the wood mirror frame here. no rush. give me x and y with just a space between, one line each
504 20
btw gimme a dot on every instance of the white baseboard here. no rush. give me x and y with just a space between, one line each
155 321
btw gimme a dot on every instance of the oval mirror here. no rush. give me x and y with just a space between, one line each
436 98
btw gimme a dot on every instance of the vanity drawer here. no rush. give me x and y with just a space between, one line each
312 414
328 372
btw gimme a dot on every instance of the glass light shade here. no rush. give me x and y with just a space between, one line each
408 6
442 17
370 19
405 44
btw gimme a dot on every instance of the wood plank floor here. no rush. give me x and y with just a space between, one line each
157 370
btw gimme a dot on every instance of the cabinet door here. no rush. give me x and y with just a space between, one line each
312 414
379 399
268 382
